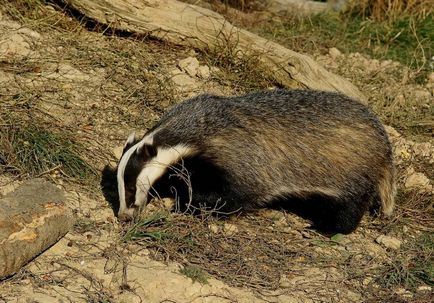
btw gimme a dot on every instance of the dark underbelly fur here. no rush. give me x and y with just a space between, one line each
210 191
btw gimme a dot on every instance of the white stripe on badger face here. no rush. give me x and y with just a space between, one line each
153 170
148 139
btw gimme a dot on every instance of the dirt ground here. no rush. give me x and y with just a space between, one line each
100 87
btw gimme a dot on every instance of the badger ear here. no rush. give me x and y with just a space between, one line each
130 139
146 151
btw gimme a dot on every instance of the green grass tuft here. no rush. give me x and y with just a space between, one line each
195 273
413 266
406 39
141 229
34 150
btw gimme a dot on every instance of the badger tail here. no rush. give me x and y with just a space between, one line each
387 190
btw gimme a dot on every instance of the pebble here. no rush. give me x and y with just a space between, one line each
213 228
334 52
417 180
189 65
389 242
230 229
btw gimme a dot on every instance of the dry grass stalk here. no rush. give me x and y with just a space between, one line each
391 9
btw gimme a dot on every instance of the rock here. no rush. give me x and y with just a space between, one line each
353 297
404 293
176 71
230 229
203 72
423 149
430 78
389 242
117 151
417 180
16 41
32 218
184 82
334 52
64 72
422 95
386 63
189 65
284 282
214 228
392 132
214 69
399 99
424 288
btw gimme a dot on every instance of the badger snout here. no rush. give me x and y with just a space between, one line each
127 214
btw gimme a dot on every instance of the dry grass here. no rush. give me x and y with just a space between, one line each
255 252
413 265
29 149
392 9
252 256
81 92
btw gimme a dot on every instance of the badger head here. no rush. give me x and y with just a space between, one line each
141 165
133 195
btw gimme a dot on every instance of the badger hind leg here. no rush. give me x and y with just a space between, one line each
346 214
328 213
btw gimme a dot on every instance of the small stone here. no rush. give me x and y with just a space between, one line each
424 288
391 131
192 53
386 63
230 229
184 82
175 71
404 293
203 72
284 282
214 69
189 65
29 33
418 181
423 149
281 222
389 242
422 94
399 99
213 228
353 297
431 78
117 151
367 281
334 52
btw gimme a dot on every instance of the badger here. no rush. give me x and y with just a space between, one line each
318 149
